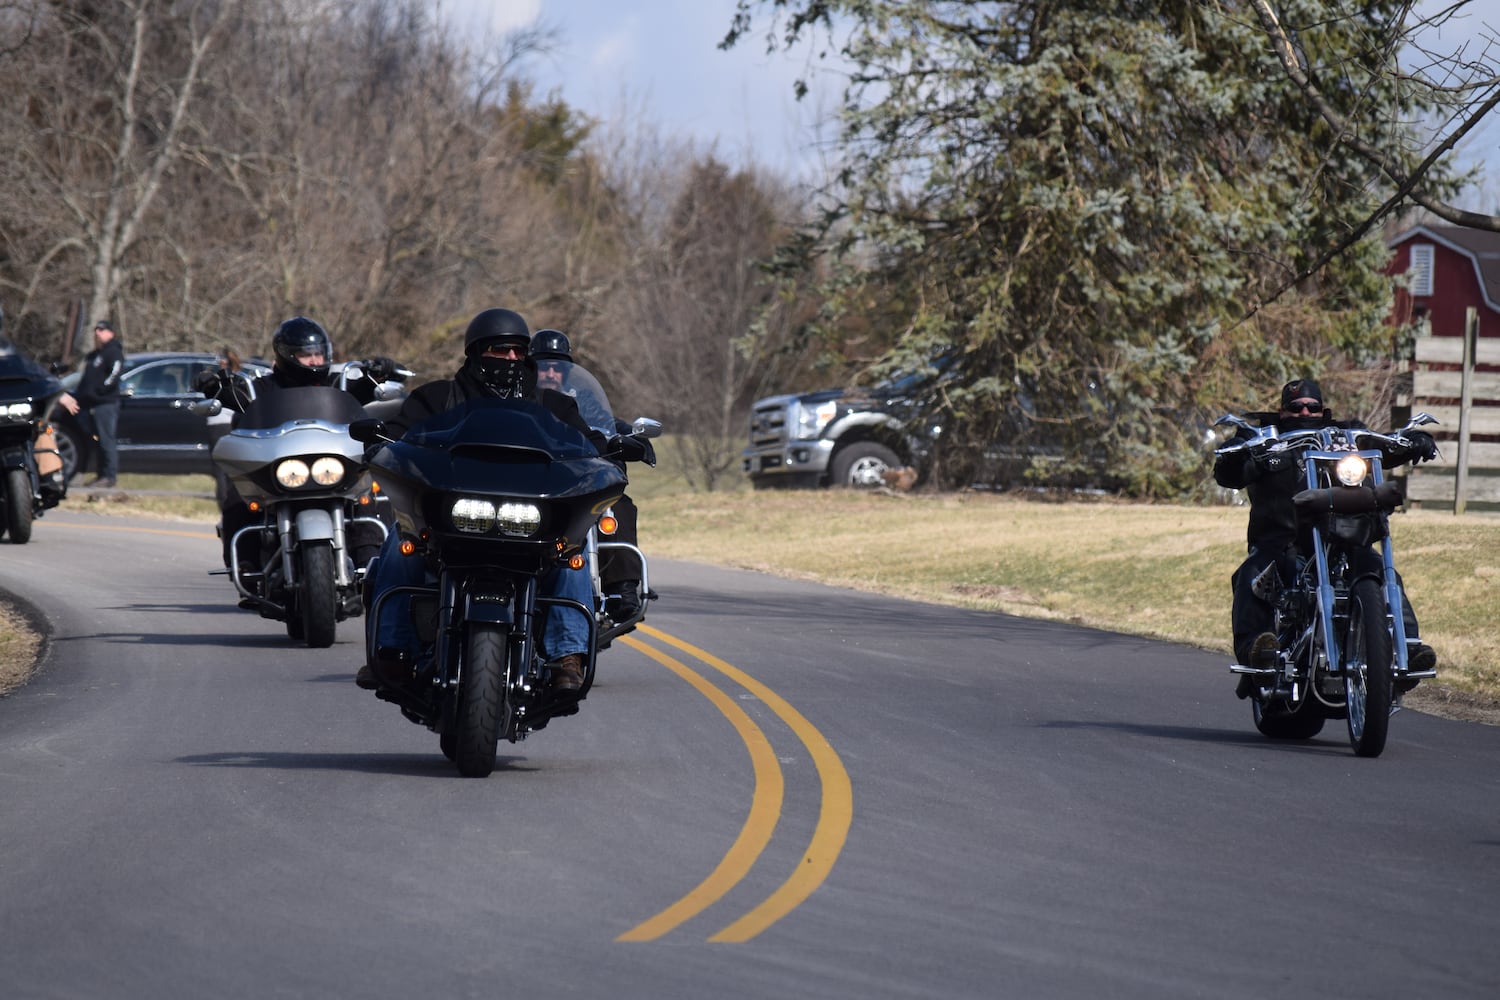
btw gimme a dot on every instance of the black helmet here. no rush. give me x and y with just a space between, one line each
296 336
496 325
551 344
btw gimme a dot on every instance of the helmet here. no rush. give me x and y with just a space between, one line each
296 336
551 344
496 325
507 378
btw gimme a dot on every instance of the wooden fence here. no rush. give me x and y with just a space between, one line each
1462 390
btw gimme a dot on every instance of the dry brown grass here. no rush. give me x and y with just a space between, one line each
18 648
1154 570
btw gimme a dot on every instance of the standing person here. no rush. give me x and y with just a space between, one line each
1273 533
98 399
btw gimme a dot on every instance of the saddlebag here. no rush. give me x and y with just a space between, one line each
48 458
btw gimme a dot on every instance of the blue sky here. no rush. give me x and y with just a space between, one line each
658 62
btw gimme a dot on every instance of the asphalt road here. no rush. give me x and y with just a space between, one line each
775 790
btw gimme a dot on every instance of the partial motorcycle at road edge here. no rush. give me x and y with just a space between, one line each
31 479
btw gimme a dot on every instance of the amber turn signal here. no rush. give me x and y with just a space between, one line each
608 525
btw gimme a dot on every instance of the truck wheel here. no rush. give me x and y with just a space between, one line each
862 465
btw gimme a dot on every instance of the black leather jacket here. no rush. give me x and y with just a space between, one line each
1273 517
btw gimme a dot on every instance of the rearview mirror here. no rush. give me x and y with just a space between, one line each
368 431
646 427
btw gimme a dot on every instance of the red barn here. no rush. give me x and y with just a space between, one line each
1448 269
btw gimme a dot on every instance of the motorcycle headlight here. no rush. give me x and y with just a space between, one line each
520 519
292 473
812 420
473 515
16 411
327 470
1351 470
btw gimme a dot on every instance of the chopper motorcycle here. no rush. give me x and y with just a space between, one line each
1342 647
490 495
292 460
27 394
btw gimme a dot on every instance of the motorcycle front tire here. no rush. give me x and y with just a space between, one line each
18 506
318 595
481 699
1278 720
1367 663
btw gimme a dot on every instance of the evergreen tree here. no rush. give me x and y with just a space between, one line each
1098 207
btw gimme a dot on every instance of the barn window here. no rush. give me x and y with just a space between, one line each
1420 269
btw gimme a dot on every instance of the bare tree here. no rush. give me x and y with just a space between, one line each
103 126
1463 83
692 323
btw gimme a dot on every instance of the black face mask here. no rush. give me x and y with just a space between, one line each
1303 421
504 378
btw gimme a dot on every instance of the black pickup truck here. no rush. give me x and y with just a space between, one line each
833 437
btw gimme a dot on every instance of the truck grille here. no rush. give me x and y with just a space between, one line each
768 426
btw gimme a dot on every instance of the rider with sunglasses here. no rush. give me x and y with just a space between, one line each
1271 482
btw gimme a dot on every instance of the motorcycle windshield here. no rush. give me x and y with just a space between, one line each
501 445
578 382
276 406
514 424
23 378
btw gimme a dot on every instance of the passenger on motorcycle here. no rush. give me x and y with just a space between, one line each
1273 533
496 364
548 348
303 357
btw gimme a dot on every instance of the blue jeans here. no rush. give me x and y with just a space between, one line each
101 421
564 630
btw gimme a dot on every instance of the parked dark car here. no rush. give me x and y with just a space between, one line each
157 431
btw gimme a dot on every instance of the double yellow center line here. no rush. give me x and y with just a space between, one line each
834 815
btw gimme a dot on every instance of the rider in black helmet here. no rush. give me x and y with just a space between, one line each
304 357
496 345
303 352
619 574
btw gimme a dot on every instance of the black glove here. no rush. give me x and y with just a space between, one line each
628 448
209 382
1424 448
377 369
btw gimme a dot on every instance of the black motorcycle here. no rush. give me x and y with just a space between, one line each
1342 646
491 495
27 393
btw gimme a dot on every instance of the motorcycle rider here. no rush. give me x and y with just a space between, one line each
496 365
547 348
303 357
1271 481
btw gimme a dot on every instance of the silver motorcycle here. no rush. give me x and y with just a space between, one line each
290 457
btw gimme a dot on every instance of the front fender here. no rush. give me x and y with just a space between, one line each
493 607
314 524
